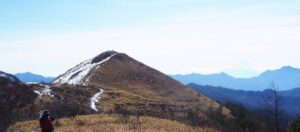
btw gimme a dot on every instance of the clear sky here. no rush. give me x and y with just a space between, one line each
240 37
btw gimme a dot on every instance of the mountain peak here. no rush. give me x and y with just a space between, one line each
224 74
103 56
130 82
288 68
221 74
79 73
282 69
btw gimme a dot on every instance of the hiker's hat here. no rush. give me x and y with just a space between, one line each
46 112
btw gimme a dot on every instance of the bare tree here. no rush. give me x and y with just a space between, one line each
272 105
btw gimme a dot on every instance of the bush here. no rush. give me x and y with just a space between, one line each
294 126
242 120
123 114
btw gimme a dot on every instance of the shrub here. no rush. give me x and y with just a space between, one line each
294 126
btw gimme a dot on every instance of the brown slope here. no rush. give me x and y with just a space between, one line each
16 100
127 83
19 101
135 86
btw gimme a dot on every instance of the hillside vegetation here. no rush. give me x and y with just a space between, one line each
110 123
128 87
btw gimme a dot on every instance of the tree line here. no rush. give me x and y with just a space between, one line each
270 117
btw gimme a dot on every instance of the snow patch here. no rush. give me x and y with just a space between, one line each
43 90
95 99
3 75
32 82
77 75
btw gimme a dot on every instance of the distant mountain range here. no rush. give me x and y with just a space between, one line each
31 77
285 78
251 99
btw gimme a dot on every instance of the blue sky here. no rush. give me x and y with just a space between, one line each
239 37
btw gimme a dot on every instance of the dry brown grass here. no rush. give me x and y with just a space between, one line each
130 83
108 123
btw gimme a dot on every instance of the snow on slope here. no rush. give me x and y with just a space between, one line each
3 75
77 75
43 90
94 99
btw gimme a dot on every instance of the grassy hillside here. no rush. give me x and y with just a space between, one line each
110 123
129 86
137 87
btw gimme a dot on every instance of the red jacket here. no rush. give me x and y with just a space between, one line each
46 123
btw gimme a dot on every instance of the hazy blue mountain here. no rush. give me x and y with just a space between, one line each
293 92
250 99
285 78
31 77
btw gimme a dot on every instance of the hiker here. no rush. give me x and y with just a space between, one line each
46 122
